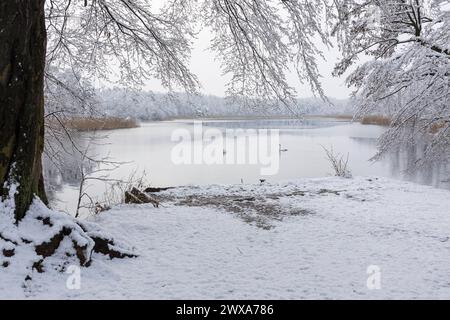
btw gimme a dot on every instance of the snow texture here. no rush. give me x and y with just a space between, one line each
312 238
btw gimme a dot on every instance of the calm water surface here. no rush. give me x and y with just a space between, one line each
149 147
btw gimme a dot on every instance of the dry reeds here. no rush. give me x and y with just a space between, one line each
438 126
338 162
376 119
107 123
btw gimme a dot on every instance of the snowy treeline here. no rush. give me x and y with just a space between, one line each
67 94
146 105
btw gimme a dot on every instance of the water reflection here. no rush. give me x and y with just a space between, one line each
64 159
436 174
149 148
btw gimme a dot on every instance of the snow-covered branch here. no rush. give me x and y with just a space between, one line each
408 78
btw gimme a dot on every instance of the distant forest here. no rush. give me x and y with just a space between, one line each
144 105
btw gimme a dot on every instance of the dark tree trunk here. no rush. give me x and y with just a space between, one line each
22 62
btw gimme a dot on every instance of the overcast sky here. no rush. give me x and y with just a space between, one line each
209 73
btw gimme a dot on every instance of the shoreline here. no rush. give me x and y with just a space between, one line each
303 239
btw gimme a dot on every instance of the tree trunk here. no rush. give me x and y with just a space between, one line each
22 62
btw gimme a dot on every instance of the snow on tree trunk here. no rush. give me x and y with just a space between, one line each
22 62
38 232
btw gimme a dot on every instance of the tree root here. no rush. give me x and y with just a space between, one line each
7 240
56 235
106 247
83 252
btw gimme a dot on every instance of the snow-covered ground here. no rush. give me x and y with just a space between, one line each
312 238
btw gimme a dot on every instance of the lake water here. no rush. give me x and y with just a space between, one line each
149 148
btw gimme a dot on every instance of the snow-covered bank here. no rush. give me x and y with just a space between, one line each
312 238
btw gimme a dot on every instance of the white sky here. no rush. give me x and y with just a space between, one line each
208 70
204 65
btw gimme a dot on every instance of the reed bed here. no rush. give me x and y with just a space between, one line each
107 123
